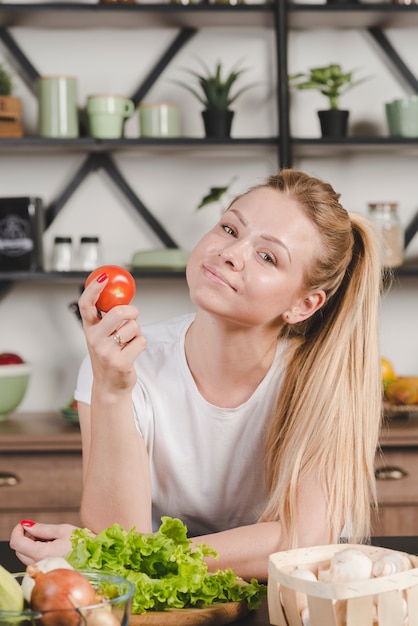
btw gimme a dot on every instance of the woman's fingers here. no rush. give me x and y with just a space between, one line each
89 297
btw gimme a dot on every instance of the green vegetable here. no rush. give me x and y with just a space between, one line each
166 572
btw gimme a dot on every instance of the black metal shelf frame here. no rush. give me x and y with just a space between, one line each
279 15
377 34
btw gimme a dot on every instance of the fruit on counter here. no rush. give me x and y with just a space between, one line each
45 565
402 391
60 589
11 595
388 372
10 358
120 288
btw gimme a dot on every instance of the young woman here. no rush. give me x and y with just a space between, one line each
254 420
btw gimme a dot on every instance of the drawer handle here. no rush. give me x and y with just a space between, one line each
390 473
8 480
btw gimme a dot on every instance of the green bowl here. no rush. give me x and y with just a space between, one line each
14 381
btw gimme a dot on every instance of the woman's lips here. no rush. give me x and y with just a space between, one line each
217 277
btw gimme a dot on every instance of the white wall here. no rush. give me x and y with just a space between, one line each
34 318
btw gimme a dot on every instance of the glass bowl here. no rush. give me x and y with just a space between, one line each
119 591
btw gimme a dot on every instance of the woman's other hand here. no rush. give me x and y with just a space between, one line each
35 541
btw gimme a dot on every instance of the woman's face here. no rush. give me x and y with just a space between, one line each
249 268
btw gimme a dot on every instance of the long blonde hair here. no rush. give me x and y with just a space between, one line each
328 414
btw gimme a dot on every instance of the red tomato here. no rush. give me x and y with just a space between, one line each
120 288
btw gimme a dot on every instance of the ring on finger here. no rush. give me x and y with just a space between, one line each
121 342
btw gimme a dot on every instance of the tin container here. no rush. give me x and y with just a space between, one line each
21 230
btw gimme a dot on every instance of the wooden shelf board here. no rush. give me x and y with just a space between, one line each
96 15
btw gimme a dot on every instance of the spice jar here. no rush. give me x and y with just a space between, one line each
385 217
62 254
89 256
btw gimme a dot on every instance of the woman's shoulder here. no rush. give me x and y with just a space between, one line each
167 331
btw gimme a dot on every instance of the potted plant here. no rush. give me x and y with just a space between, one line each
10 107
332 82
215 93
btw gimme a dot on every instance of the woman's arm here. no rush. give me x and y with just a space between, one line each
116 474
246 549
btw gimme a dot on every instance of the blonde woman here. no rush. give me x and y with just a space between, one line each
254 420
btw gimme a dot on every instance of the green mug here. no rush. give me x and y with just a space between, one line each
159 119
107 113
57 106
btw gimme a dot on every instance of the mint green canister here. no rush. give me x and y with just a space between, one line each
57 106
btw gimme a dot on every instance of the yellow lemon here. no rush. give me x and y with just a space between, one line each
388 372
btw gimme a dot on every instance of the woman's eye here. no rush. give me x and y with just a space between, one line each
268 258
228 229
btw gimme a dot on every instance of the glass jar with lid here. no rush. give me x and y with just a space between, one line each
62 254
384 216
89 254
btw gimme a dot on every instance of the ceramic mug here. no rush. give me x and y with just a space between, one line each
392 119
107 113
57 106
160 119
406 113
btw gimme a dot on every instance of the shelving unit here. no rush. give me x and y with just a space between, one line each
278 14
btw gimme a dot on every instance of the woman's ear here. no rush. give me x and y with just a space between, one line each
305 307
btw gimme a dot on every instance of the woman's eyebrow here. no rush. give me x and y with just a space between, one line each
279 243
244 222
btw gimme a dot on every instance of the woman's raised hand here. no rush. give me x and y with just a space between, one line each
114 339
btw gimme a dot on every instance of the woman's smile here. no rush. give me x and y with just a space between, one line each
217 277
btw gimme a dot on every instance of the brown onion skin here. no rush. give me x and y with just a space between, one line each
60 592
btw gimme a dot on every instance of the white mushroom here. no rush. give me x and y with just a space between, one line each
301 598
346 566
391 563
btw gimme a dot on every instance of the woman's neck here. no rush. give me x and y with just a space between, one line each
228 362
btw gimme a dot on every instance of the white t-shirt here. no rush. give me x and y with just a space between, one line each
206 461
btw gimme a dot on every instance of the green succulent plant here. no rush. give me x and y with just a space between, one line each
215 91
329 80
6 83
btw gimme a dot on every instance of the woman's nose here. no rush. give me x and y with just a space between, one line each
235 255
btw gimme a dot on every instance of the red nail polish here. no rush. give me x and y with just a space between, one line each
102 278
27 522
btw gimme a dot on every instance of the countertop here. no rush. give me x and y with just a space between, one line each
257 618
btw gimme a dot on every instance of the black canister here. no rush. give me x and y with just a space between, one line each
21 230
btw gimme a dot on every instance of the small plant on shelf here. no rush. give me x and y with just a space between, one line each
329 80
6 82
214 90
332 82
10 107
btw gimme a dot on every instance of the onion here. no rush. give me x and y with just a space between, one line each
101 617
58 590
45 565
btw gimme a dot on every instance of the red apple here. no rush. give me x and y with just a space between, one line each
9 358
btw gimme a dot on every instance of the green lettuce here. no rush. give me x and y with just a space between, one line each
166 571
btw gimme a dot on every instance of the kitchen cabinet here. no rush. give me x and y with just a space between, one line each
40 470
396 469
41 473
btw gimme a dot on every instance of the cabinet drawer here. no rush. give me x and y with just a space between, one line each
397 476
40 481
395 521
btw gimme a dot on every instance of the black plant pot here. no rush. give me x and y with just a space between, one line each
217 122
333 122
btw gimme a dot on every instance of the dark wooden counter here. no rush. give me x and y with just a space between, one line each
256 618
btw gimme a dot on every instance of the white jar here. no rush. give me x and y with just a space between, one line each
385 217
62 254
89 255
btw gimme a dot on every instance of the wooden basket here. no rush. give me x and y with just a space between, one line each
342 604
